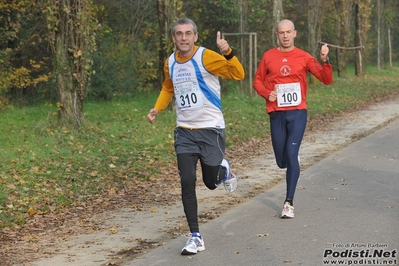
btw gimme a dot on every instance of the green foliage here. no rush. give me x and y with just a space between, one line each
127 63
128 41
391 18
24 62
122 69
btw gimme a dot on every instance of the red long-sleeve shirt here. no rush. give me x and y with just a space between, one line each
277 67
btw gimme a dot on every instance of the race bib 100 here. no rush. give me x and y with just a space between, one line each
289 94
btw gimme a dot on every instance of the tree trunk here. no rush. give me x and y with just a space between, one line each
168 11
359 67
379 48
70 102
390 46
362 24
243 45
164 30
70 98
278 14
72 28
383 29
343 24
313 24
390 20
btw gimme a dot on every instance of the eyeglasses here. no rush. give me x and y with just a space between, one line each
180 34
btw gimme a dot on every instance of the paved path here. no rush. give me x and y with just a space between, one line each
329 192
346 207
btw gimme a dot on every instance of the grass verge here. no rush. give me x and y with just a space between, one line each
44 168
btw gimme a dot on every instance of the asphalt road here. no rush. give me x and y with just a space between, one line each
346 213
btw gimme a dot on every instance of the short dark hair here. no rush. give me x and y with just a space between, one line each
183 21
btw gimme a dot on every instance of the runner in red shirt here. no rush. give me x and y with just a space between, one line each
281 81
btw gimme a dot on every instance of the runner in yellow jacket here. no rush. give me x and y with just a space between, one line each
192 77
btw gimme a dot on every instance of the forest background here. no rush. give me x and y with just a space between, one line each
57 56
126 41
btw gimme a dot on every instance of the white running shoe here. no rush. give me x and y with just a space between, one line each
194 244
230 180
288 211
231 183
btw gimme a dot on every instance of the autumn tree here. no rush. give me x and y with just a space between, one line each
134 40
72 28
23 59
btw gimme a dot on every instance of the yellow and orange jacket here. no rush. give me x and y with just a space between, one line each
195 84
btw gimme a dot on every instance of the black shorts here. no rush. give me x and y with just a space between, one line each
208 143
